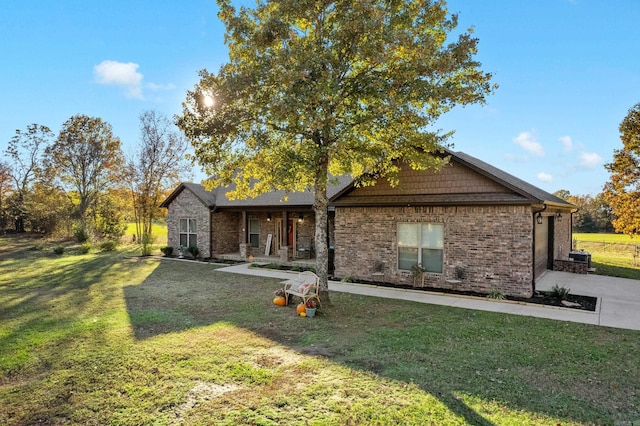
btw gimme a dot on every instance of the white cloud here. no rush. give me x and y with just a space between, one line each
545 177
566 142
120 74
528 142
157 87
590 160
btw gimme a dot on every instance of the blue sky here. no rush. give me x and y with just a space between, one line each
568 72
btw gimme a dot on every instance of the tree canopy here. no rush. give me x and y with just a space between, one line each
623 189
25 150
315 88
86 158
154 168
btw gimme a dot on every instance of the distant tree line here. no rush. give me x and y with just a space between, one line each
594 213
79 183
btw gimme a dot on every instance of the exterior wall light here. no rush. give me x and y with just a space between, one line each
539 218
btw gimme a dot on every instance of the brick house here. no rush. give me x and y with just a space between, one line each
470 226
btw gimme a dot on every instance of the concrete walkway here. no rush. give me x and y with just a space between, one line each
619 299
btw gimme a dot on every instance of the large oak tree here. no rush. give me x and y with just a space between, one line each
86 158
623 189
315 88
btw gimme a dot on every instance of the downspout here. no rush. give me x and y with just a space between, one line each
533 247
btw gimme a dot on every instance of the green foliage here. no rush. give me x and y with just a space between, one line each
594 213
167 250
495 295
194 250
314 89
559 292
85 248
147 244
623 189
59 249
86 158
80 232
108 245
24 152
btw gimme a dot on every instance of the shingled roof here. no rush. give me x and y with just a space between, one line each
523 192
519 186
217 198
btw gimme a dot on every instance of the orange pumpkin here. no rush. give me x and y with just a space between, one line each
301 308
279 300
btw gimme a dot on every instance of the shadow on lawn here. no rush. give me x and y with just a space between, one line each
43 301
400 341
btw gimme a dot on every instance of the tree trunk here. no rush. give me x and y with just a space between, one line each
320 204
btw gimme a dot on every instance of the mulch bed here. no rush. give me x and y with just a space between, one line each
585 303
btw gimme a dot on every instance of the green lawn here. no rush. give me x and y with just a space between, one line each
158 229
110 338
611 254
609 238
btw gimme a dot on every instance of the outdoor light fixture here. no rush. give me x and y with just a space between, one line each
300 217
558 215
268 217
539 218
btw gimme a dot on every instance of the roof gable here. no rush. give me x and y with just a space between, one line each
465 180
207 198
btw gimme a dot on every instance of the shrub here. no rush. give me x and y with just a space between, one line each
147 244
167 250
495 295
108 245
80 233
85 248
194 250
560 293
58 249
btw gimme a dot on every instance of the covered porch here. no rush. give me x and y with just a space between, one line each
301 263
283 237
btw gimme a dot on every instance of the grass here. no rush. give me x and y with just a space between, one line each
158 229
609 238
106 338
611 254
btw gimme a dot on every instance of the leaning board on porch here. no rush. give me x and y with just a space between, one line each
306 286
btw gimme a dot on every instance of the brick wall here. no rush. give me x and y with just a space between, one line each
187 206
224 232
492 244
570 266
562 236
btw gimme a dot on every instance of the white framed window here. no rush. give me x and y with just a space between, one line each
188 233
421 244
254 232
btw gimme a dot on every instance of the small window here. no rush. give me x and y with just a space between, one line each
254 232
188 234
421 243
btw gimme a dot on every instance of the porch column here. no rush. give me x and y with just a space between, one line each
284 236
245 247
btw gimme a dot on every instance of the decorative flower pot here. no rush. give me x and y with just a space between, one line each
311 312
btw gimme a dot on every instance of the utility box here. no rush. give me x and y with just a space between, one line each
581 256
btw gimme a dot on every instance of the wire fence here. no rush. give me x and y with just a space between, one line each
625 252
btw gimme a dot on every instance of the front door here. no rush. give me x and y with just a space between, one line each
291 227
